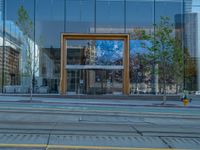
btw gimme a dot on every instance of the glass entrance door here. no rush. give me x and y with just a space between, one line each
94 82
94 66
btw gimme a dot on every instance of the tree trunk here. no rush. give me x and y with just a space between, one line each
31 90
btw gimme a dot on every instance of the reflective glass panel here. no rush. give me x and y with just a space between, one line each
49 25
94 66
140 18
95 52
110 16
191 45
94 81
19 46
1 47
80 16
169 16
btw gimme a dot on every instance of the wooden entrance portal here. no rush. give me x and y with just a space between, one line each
67 36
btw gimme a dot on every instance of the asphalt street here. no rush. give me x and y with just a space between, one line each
46 123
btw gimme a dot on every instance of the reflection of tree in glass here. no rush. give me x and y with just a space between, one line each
89 53
165 53
118 76
138 63
109 52
190 71
26 26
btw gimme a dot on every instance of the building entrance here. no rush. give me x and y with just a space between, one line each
94 82
94 64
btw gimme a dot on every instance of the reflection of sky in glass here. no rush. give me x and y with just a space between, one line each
109 48
196 6
138 46
80 15
109 51
113 50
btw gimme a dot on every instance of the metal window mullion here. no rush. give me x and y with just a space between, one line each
65 11
3 60
124 16
183 43
95 16
34 39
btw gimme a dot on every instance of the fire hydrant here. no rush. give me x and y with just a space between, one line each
185 101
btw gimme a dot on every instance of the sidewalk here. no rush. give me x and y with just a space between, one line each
102 106
170 97
108 102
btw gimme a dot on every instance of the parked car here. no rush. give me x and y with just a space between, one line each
197 93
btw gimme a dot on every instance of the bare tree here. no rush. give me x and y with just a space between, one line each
28 45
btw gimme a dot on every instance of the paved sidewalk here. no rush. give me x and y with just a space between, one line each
140 107
124 102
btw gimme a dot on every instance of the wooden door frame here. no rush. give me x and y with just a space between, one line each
70 36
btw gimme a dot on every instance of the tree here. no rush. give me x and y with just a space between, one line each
190 71
166 52
163 49
178 64
138 61
26 26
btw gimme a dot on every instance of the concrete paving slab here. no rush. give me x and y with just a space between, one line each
167 129
173 121
168 134
111 119
38 117
95 127
26 126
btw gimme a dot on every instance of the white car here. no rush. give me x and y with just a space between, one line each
197 93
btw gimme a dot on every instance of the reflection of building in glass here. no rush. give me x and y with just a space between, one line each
188 5
192 34
11 66
93 67
49 69
192 44
16 78
11 59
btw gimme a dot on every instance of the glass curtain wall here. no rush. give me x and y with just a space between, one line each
170 61
49 24
192 45
51 17
19 43
140 18
110 16
80 16
1 45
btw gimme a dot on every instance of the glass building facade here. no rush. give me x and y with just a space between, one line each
30 49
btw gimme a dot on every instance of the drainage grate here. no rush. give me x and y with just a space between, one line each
114 141
23 139
178 142
111 140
